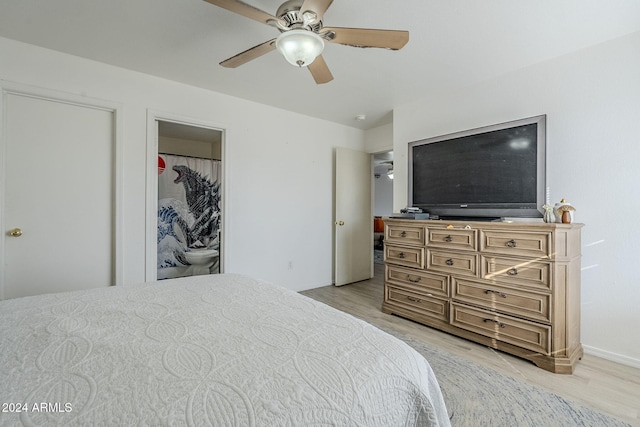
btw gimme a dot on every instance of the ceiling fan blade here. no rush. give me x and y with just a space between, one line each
365 37
320 71
319 7
246 10
249 54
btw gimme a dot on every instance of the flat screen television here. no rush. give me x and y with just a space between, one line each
487 173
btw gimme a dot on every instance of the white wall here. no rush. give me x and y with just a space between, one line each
592 102
379 139
382 196
279 186
189 147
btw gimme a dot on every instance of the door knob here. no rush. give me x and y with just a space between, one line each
16 232
340 223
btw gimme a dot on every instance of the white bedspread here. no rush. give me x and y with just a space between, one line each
223 350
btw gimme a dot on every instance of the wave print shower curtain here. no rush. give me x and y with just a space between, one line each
188 210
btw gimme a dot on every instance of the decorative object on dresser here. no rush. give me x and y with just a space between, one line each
566 213
561 207
548 215
511 286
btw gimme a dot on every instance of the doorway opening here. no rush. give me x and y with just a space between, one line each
382 200
189 203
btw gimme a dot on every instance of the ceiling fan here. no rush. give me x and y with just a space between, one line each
303 35
383 167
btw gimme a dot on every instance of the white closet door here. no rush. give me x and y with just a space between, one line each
59 192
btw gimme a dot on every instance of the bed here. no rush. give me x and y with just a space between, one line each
224 350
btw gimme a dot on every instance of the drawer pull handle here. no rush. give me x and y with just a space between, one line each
502 325
403 234
413 280
401 255
512 271
449 261
448 238
511 243
414 299
491 291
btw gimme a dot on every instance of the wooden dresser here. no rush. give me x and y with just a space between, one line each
511 286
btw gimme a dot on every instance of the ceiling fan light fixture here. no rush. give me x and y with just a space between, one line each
300 47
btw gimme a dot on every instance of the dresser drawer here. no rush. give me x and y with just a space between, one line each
404 255
522 333
452 262
404 234
452 238
516 243
517 302
428 306
517 271
419 280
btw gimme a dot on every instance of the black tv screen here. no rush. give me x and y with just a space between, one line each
491 172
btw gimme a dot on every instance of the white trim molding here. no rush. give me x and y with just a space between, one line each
611 356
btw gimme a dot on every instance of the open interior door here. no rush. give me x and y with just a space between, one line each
353 229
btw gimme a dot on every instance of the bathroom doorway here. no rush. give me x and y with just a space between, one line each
189 200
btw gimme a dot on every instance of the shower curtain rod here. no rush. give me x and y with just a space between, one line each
192 157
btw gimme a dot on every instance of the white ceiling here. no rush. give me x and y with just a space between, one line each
453 43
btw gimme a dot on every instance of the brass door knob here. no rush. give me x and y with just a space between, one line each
16 232
340 223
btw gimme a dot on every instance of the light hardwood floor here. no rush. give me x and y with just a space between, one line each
606 386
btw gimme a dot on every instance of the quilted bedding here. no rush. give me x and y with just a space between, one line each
223 350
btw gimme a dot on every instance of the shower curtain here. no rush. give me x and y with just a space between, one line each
188 210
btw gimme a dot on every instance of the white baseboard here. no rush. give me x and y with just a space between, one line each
614 357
